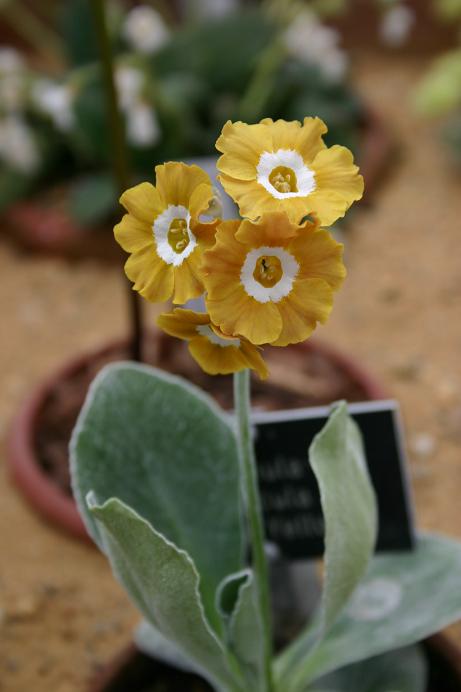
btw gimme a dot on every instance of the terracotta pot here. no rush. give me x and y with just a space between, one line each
42 491
48 228
359 26
133 671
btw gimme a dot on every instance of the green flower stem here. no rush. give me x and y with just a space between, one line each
120 162
254 511
261 84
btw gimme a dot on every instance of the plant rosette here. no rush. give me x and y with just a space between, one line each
166 482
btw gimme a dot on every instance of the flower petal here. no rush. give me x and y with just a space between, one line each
306 139
200 199
338 184
182 323
254 359
133 234
188 278
322 256
152 277
241 315
242 146
224 360
271 229
205 232
310 301
222 264
143 202
213 358
176 182
252 198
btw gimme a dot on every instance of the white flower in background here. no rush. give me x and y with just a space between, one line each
307 39
18 147
396 25
142 126
12 79
145 30
56 101
204 9
129 83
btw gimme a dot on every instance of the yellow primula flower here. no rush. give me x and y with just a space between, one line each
216 353
272 281
164 233
286 166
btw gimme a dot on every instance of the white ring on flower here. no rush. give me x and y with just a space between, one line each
206 331
282 288
160 230
288 158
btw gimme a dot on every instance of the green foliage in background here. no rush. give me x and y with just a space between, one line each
439 92
174 101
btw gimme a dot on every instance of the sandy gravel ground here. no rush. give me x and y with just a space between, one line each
61 614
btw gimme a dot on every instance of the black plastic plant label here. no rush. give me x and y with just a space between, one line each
290 496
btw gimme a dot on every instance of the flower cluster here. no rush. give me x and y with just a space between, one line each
267 278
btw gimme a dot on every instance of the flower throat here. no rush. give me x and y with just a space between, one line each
268 271
284 179
178 235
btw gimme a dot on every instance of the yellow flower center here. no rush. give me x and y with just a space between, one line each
268 270
284 179
178 235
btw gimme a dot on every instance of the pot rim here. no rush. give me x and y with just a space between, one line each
439 643
38 487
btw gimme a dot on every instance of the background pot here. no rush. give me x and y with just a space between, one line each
60 397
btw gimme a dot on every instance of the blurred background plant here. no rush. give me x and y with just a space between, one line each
439 92
182 70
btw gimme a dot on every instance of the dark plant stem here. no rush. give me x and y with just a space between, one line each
120 162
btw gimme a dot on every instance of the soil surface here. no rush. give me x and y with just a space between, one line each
61 613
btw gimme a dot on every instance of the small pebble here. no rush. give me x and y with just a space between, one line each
390 294
22 608
423 444
447 392
409 369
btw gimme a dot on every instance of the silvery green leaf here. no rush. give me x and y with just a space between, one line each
165 449
404 598
349 509
350 513
229 591
403 670
243 627
164 584
150 641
